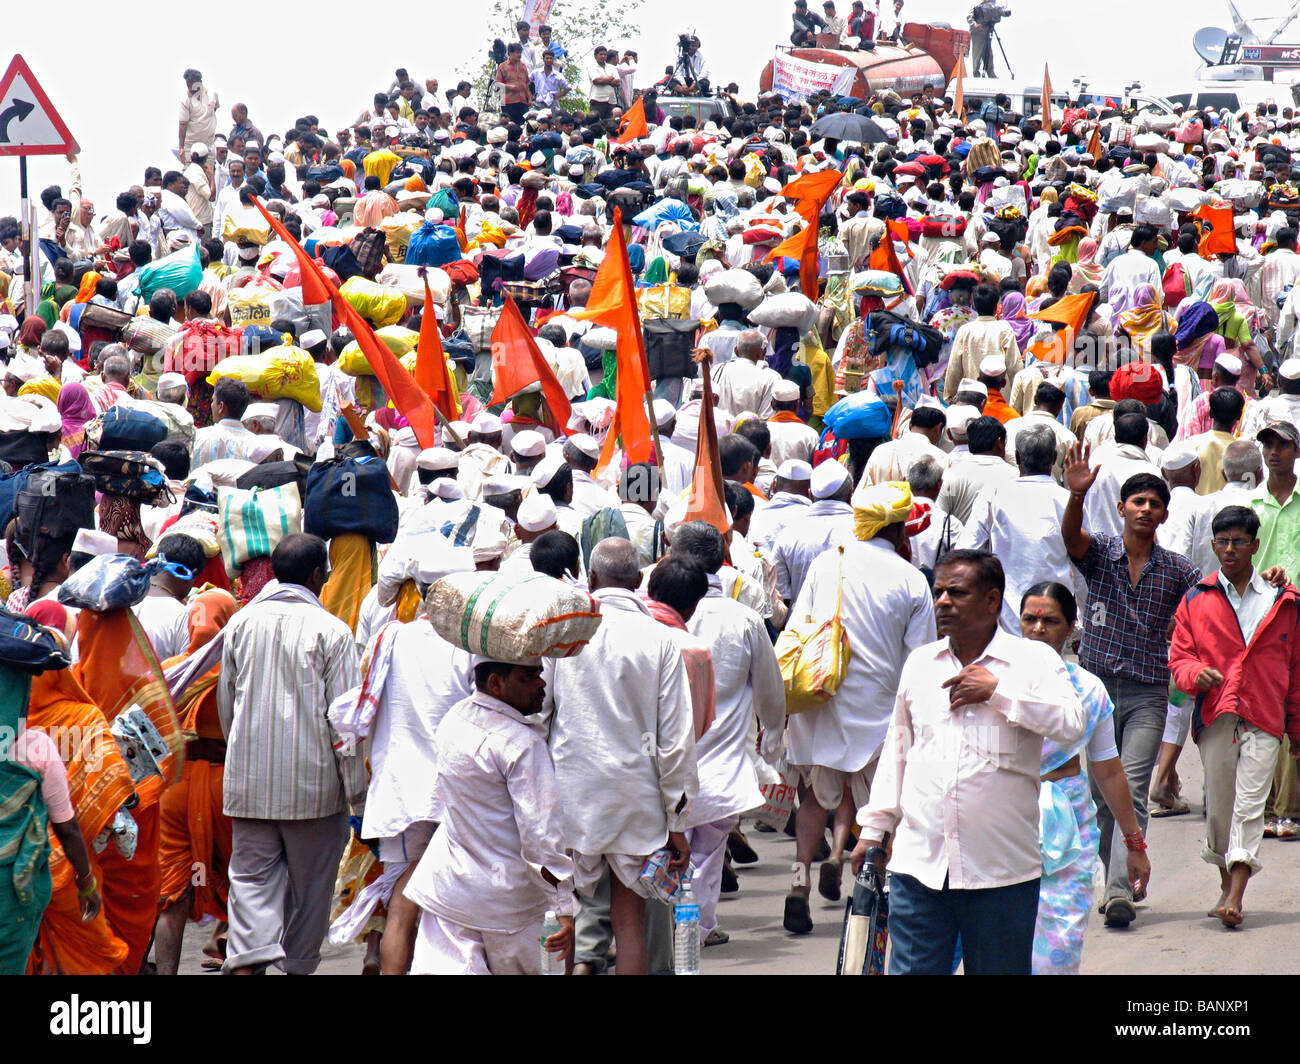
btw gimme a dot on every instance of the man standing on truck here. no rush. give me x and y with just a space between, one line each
982 18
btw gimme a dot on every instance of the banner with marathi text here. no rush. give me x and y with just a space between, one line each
796 79
536 12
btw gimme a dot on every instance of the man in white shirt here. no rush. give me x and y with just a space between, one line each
983 467
1049 401
790 436
581 453
885 607
977 340
892 460
228 198
162 613
749 695
623 743
827 523
1186 530
1281 270
964 752
202 188
678 462
1135 267
790 501
1284 405
746 382
1020 522
603 79
1129 457
226 437
173 210
198 117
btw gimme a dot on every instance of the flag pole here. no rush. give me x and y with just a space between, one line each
654 432
446 427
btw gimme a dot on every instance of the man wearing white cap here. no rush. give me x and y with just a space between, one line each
826 523
886 609
536 517
678 462
1186 530
790 501
527 448
202 189
746 382
1284 405
791 438
981 467
893 458
482 456
581 453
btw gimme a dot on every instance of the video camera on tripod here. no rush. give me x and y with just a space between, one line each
684 42
989 13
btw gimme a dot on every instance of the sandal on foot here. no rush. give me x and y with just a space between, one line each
1176 807
797 919
828 881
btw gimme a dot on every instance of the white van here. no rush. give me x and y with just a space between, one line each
1026 97
1234 96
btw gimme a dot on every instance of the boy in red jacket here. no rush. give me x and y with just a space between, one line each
1235 648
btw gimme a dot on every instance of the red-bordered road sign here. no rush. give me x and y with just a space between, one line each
29 124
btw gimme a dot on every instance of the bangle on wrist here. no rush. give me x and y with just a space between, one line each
1134 841
87 891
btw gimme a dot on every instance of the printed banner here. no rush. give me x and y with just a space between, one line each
796 79
536 12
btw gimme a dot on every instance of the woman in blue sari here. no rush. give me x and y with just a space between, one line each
1068 817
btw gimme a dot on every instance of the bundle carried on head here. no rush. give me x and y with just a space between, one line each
512 620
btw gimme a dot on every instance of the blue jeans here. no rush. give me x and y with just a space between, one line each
996 928
1139 725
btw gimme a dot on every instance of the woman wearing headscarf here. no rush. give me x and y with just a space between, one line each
1012 311
30 333
1087 270
77 410
1238 317
1197 341
193 832
1142 321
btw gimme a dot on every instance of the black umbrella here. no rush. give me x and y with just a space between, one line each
843 125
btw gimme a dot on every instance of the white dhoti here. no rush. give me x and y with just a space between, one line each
444 947
588 868
708 854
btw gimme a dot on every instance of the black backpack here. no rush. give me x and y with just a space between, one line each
892 330
668 346
55 504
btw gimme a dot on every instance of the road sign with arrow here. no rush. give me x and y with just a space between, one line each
29 124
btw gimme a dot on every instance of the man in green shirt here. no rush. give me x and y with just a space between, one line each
1277 502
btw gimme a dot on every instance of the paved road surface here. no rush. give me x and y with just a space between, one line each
1172 934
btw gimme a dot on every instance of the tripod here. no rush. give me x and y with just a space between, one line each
993 33
682 73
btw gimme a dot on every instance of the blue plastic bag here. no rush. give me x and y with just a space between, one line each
433 244
860 416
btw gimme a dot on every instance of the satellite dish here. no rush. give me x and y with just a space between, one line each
1208 42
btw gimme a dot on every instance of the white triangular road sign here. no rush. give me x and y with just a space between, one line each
29 124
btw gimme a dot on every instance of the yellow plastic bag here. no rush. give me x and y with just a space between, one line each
399 339
664 301
280 373
397 230
250 305
245 225
814 658
755 173
379 304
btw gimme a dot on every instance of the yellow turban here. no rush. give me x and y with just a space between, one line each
46 386
880 505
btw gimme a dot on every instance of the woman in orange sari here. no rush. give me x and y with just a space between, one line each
119 670
99 784
194 838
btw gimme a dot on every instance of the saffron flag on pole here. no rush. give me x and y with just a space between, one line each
633 125
1046 102
613 303
802 246
959 90
706 499
315 288
407 396
431 370
518 363
1070 311
811 191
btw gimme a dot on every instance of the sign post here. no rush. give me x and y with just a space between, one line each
29 125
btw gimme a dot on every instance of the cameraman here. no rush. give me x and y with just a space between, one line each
983 18
691 74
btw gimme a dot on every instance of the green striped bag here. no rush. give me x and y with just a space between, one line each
252 521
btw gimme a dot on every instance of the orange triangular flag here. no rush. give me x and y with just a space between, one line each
407 396
884 257
811 191
315 288
431 371
613 303
1220 238
1094 144
706 500
959 90
802 246
632 126
1046 102
1070 311
517 363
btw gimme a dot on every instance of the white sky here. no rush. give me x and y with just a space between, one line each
117 80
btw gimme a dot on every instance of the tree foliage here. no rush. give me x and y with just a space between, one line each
577 25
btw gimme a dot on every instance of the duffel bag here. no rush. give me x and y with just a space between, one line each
130 429
669 343
252 522
55 502
131 474
351 495
277 474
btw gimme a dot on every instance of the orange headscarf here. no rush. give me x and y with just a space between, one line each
87 288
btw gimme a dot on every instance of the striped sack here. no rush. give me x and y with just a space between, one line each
508 619
253 521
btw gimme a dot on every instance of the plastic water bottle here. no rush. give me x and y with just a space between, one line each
686 932
552 963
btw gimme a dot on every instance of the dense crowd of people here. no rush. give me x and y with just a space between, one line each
924 491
